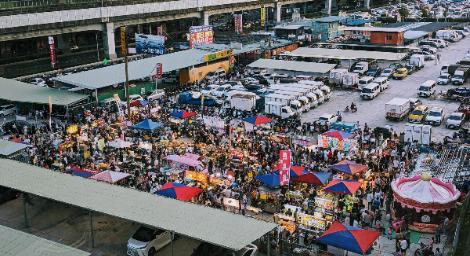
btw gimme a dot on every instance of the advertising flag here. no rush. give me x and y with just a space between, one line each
262 14
284 166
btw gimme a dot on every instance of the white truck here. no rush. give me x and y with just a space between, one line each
244 101
299 104
278 109
286 100
397 109
361 67
446 34
417 60
350 80
336 76
326 92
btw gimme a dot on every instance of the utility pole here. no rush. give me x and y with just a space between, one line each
126 68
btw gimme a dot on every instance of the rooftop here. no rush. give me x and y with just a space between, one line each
17 243
114 74
299 66
16 91
329 19
8 148
342 54
202 223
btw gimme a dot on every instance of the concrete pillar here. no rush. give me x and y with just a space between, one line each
109 41
328 5
278 11
63 42
205 19
367 4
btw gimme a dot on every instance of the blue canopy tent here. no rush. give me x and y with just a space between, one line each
270 180
147 125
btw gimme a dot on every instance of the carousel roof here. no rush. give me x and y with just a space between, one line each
425 193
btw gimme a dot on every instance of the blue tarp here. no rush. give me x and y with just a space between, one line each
270 180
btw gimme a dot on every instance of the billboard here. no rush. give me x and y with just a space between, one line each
151 44
200 35
159 71
217 55
238 19
284 166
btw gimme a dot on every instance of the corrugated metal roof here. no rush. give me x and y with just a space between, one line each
411 35
203 223
298 66
114 74
12 90
18 243
9 147
289 27
342 54
329 19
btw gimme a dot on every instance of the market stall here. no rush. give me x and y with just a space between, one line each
110 176
179 191
424 200
349 167
349 238
339 140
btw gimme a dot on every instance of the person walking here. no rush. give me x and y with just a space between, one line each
403 245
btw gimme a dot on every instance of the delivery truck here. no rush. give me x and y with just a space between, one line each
397 109
461 75
278 109
244 101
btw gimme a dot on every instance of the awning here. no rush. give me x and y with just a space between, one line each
8 148
16 91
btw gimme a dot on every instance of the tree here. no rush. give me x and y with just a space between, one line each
404 12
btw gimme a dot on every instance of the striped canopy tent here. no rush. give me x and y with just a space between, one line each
349 167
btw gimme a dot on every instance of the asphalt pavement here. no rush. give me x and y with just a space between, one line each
372 112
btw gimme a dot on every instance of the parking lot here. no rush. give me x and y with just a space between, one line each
372 112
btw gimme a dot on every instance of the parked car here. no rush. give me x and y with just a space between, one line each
388 72
455 120
147 241
155 95
434 116
375 72
418 114
400 73
443 79
7 110
327 119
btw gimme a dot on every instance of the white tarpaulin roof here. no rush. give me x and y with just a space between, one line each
342 54
203 223
18 243
299 66
114 74
16 91
9 147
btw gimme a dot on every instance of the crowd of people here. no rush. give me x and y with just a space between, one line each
59 147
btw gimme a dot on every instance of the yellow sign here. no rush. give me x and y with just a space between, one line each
197 176
72 129
217 55
123 41
262 14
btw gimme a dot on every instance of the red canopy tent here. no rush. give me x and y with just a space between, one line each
343 186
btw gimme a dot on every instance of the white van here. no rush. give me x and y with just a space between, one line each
383 82
364 81
370 91
427 88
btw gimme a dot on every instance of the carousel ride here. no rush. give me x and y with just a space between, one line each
423 201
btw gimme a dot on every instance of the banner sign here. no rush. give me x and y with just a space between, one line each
151 44
284 166
262 14
52 51
217 55
123 41
238 19
159 71
200 35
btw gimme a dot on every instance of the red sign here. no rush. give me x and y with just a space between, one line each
284 166
52 52
238 19
200 35
159 70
